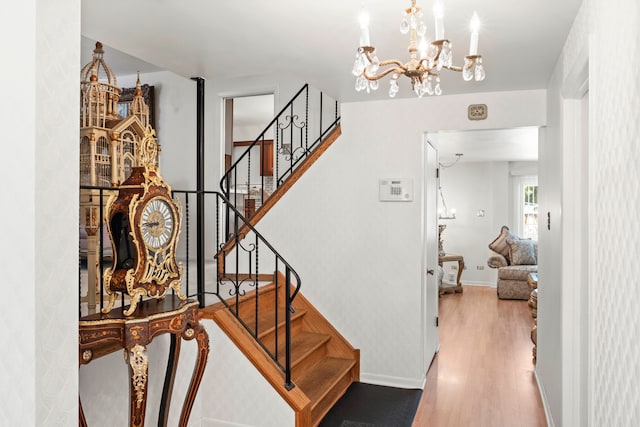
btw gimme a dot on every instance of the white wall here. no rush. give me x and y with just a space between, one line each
236 393
39 171
602 30
360 259
469 187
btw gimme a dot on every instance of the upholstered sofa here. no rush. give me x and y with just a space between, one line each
514 258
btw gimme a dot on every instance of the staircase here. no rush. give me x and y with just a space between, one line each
323 364
260 307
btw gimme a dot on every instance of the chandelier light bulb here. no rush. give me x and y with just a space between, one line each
438 13
364 27
475 26
475 22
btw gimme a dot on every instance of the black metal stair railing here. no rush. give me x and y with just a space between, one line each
247 264
265 165
281 147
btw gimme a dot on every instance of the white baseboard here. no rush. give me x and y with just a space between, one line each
489 284
545 402
386 380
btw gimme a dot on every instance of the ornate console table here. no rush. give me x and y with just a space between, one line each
455 258
101 334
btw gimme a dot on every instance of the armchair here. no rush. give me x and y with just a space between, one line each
514 258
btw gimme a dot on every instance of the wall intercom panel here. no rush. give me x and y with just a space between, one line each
395 190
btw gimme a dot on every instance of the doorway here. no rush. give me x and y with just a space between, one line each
245 117
480 185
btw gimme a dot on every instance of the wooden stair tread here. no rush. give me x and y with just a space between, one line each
317 381
303 344
267 321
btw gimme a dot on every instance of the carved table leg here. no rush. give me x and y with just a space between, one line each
167 390
138 369
198 332
82 422
460 269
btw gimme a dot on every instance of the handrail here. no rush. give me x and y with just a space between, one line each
236 276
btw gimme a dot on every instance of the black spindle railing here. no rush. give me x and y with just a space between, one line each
282 145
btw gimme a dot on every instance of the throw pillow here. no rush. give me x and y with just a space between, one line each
499 245
522 251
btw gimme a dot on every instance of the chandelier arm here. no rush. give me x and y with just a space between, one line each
393 61
453 68
369 50
398 70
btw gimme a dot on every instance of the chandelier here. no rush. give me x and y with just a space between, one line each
426 60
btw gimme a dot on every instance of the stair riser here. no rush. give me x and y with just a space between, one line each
269 340
266 302
320 409
302 366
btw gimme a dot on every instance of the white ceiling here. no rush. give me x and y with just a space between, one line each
520 41
499 145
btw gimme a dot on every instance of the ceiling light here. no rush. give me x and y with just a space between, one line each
426 60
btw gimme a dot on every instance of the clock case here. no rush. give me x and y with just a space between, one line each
137 269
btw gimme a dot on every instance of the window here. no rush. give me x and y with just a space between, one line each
530 211
527 207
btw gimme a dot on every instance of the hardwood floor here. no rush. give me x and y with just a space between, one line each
483 374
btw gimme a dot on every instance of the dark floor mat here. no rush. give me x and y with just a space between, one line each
368 405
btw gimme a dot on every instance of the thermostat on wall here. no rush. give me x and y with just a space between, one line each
477 111
396 190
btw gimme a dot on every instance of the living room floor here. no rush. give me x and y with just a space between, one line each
483 374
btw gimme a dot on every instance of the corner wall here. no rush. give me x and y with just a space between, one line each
601 31
39 41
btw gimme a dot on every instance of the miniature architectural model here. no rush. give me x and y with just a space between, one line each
109 150
108 143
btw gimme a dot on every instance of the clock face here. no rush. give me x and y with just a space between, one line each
157 223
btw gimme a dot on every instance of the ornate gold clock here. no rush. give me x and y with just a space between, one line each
143 222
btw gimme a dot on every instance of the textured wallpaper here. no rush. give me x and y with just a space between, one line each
615 195
56 162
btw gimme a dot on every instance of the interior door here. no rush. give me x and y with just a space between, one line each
430 258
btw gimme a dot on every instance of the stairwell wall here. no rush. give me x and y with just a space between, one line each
359 258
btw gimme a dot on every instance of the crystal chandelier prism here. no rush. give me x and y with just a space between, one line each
427 60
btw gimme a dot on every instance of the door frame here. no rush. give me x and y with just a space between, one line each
576 205
431 342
